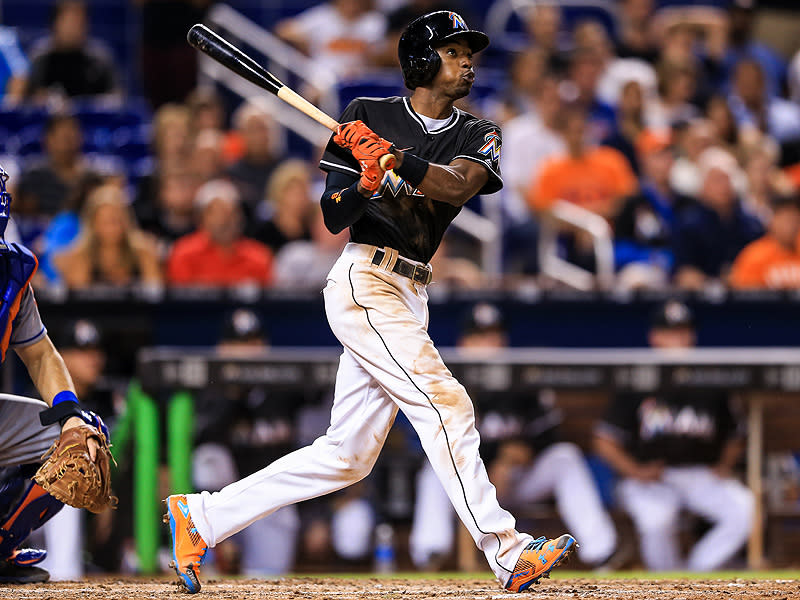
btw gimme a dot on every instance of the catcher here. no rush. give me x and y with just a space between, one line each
76 469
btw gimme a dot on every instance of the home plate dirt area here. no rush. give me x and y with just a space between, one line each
343 588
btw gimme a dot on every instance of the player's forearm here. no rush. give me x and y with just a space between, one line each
452 183
343 202
46 369
609 450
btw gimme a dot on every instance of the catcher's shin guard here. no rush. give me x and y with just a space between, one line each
24 507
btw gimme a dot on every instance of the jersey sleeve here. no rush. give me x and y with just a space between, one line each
482 145
27 328
336 158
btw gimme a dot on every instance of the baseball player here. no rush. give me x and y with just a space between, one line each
27 431
677 451
376 304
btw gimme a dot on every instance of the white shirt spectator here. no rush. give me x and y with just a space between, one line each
527 143
338 44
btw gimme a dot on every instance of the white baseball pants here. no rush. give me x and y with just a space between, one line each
655 507
389 362
558 471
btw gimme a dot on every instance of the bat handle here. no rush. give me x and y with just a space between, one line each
387 162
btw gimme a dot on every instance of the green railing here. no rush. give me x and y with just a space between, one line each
143 420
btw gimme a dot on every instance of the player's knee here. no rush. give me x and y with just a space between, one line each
448 393
739 508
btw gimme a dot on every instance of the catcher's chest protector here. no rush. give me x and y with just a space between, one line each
17 267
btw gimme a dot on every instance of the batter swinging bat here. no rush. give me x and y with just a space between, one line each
228 55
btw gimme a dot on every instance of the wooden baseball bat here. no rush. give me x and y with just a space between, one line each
228 55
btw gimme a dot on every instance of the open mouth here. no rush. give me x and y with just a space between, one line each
470 76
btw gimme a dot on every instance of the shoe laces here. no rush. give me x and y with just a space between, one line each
536 544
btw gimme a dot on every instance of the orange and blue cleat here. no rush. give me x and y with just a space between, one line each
538 559
188 548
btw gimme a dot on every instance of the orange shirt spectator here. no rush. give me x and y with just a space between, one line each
772 261
218 253
593 178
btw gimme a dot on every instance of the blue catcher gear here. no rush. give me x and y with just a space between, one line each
24 507
17 267
5 204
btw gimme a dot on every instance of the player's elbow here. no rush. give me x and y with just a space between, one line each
332 224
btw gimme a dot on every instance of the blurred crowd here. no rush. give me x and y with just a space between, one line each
677 126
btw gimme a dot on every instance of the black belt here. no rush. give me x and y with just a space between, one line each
405 268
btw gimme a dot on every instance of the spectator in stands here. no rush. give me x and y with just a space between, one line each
742 45
207 155
261 154
645 228
68 62
521 159
206 111
676 90
167 63
677 450
47 184
753 107
543 22
719 115
65 227
526 458
630 124
110 249
772 261
339 35
287 205
170 214
595 178
305 263
14 67
172 146
765 180
712 233
525 79
690 140
239 428
591 36
399 18
217 254
636 38
585 69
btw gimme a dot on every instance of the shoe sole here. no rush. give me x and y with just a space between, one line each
188 580
546 573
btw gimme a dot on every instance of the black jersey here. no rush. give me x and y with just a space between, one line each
686 428
399 216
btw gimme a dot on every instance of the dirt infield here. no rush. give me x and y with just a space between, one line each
328 588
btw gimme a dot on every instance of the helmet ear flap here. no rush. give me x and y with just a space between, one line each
422 70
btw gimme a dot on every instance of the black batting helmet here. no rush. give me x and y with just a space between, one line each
417 48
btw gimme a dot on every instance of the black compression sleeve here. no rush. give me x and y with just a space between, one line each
342 204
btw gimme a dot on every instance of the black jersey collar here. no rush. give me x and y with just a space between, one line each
453 118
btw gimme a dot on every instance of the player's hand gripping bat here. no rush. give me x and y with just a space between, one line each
228 55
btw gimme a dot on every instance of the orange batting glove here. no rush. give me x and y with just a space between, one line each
370 148
348 134
371 174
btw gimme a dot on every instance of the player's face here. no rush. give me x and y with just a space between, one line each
455 76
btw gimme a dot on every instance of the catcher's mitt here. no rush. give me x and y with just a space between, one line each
69 474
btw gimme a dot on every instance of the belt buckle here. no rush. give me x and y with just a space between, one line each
423 275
